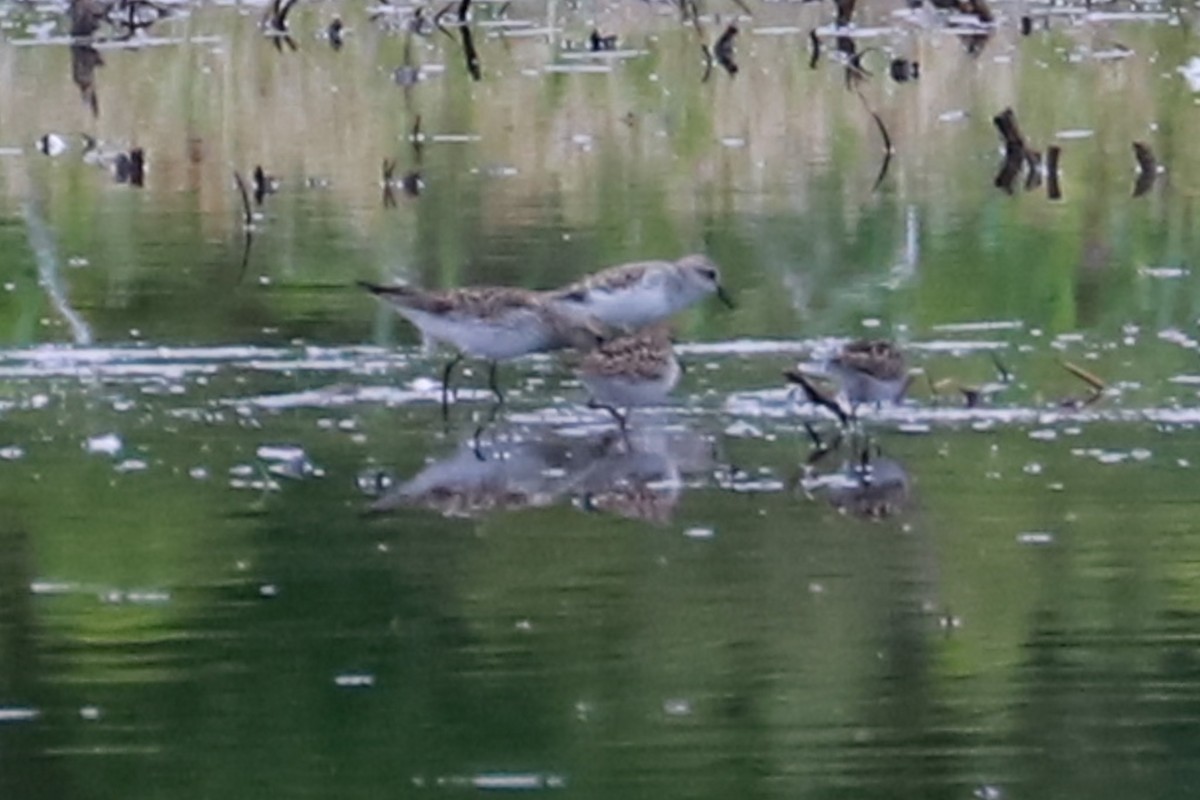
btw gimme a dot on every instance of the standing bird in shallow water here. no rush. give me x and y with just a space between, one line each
489 323
632 296
866 371
638 369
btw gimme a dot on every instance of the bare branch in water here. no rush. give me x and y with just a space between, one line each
464 7
815 41
708 62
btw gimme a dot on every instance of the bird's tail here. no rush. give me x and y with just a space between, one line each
386 291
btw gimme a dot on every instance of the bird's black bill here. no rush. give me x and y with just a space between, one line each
724 297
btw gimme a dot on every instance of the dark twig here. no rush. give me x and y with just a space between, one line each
815 41
816 396
469 52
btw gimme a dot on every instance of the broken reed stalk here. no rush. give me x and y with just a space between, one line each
463 8
724 48
1087 377
1010 132
816 396
816 48
1052 188
247 213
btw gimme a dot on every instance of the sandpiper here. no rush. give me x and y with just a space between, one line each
492 323
632 296
866 371
871 371
638 369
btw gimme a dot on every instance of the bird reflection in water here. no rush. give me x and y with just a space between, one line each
637 475
867 484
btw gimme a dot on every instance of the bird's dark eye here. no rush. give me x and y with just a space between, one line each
709 274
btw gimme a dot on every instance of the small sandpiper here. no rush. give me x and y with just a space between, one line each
637 369
492 323
866 371
632 296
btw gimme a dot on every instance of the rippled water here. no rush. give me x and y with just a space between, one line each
243 554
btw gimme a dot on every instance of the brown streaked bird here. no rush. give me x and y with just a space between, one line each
632 296
871 371
492 323
866 371
637 369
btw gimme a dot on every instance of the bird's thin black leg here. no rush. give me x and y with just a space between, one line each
495 387
446 384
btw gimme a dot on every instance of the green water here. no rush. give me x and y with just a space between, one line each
242 555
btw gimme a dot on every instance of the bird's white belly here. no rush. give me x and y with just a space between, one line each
511 336
627 392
